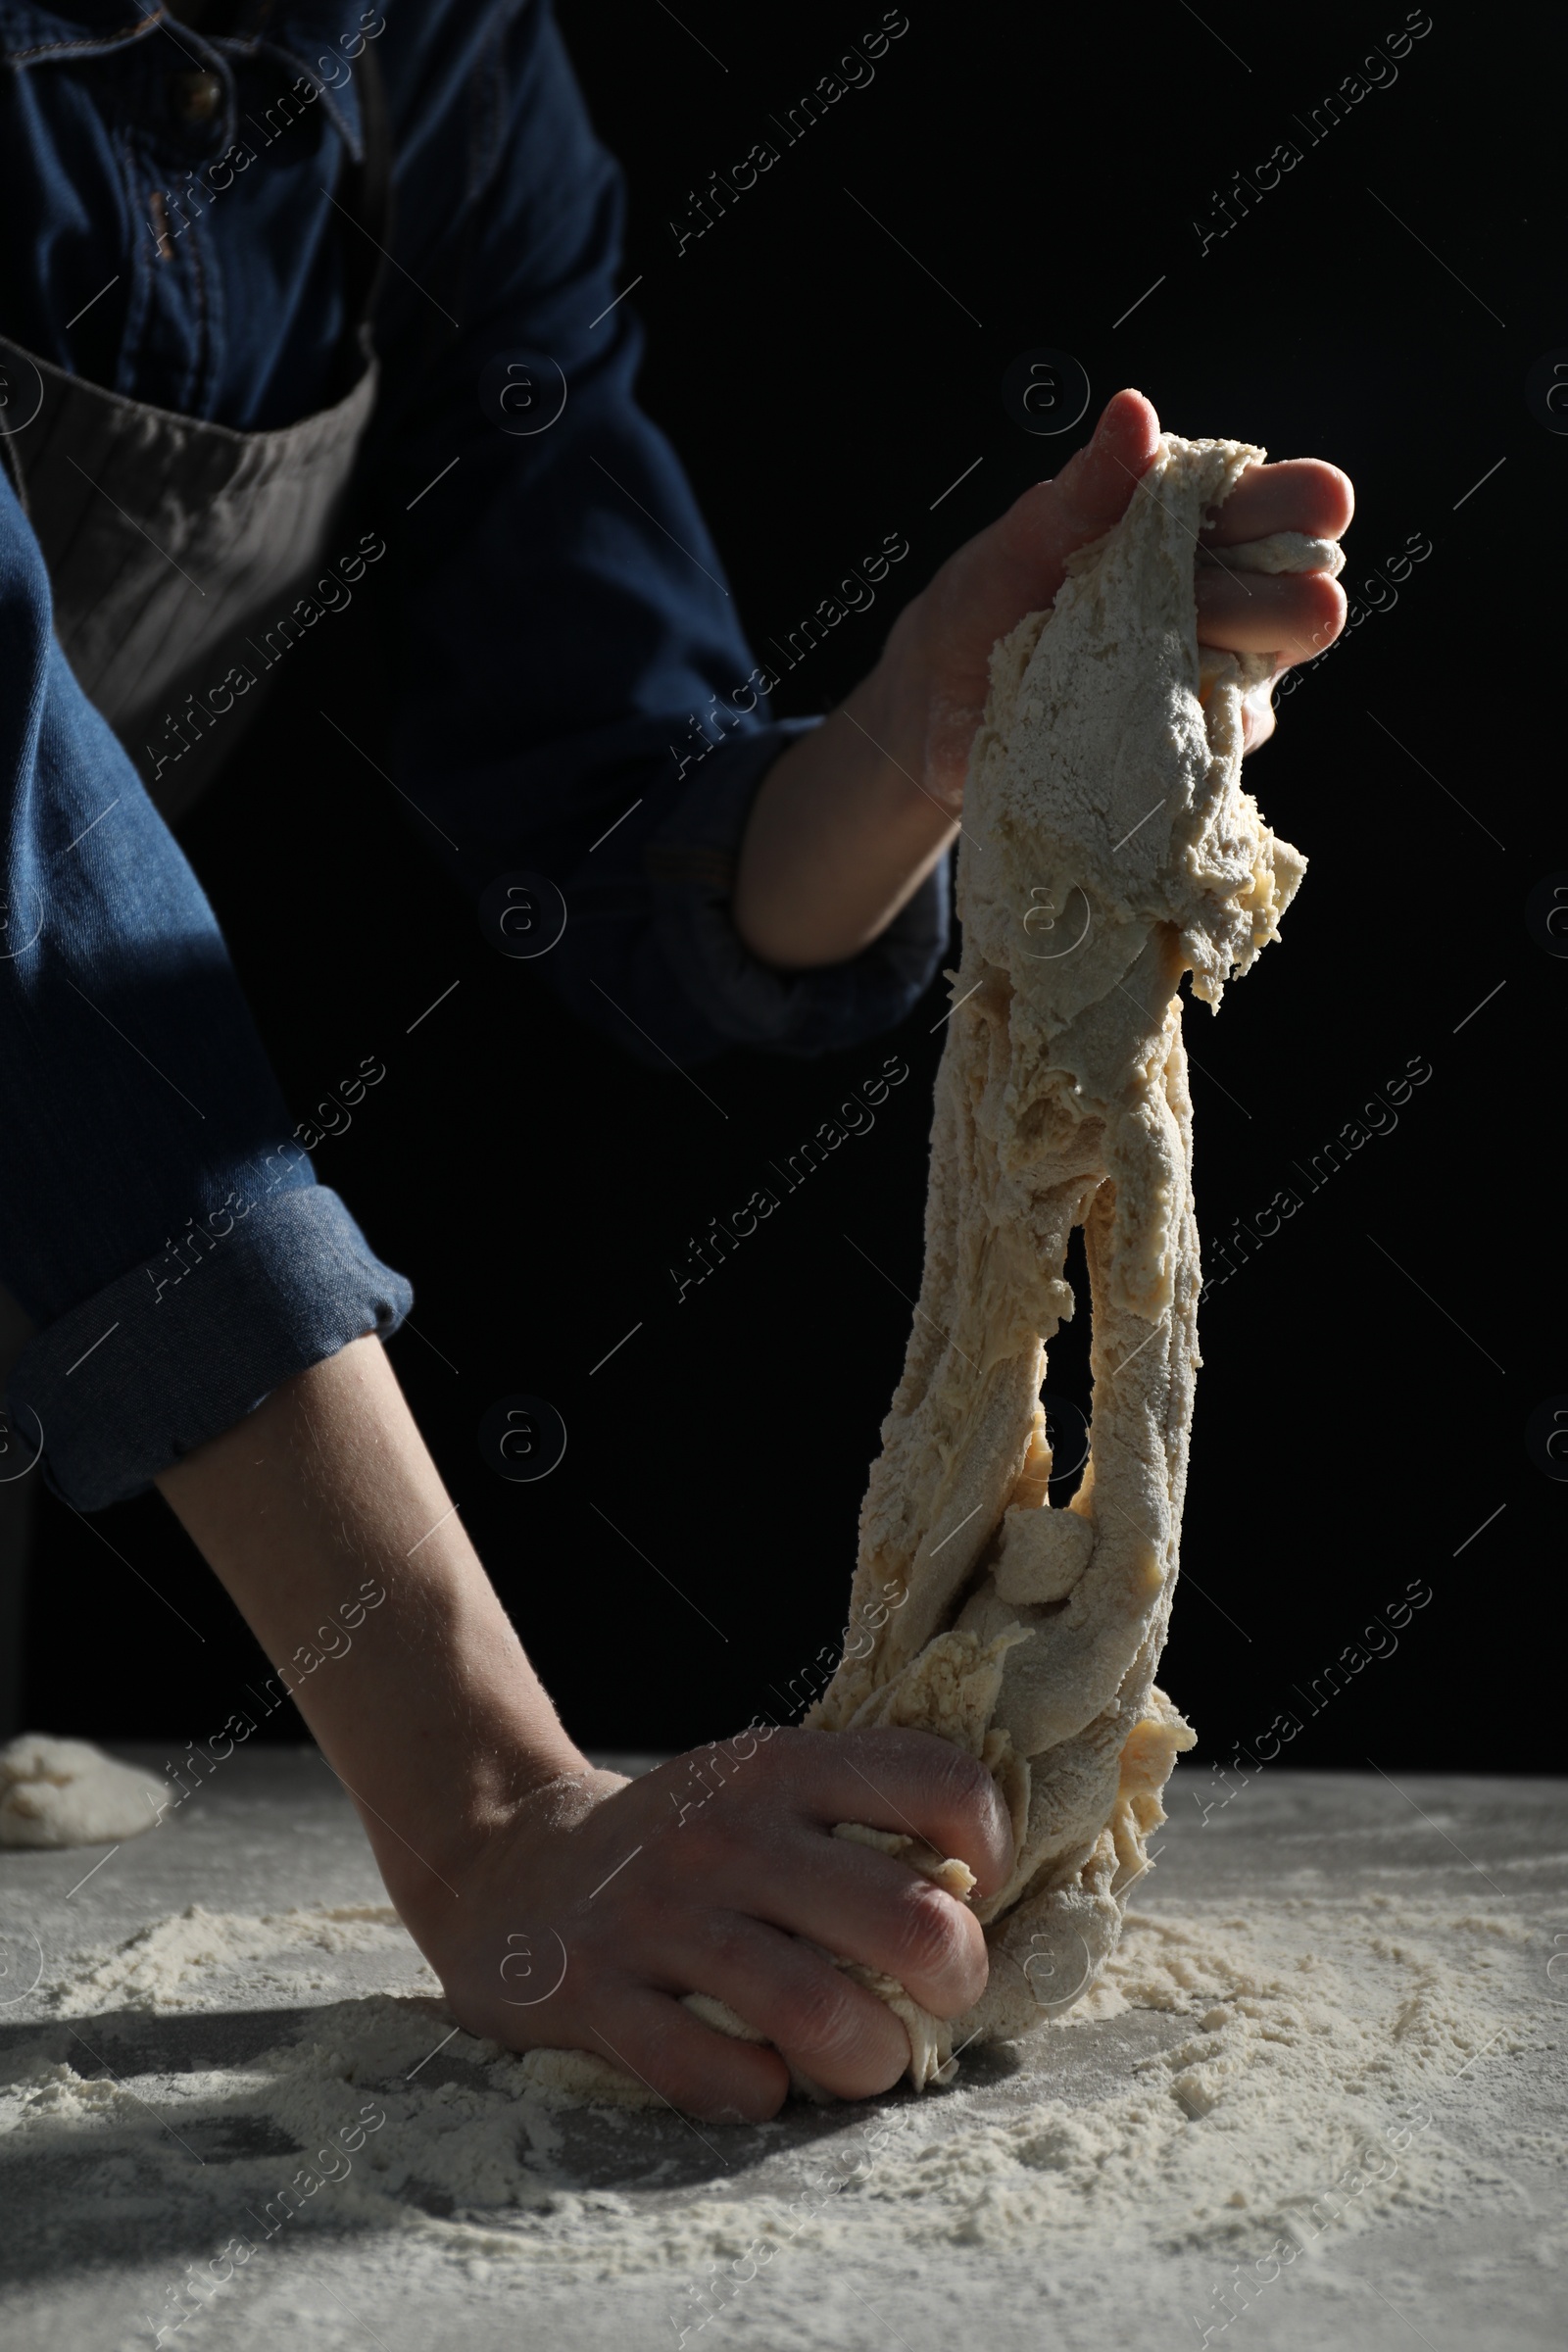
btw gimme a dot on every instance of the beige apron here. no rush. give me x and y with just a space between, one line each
173 547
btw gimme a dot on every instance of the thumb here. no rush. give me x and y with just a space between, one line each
1091 492
1098 479
1013 566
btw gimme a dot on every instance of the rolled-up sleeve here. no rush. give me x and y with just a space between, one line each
157 1224
574 693
691 867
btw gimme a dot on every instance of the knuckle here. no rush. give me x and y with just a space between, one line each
945 1778
786 1757
703 1840
820 2018
932 1938
728 1942
970 1787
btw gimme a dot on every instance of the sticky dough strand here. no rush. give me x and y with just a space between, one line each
1109 850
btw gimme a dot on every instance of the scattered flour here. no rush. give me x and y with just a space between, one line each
181 1962
1312 2046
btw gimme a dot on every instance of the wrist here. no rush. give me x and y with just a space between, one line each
933 709
490 1843
451 1801
892 703
429 1710
846 827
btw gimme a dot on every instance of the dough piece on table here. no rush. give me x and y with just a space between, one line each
69 1792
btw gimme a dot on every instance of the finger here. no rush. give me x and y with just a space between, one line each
874 1908
909 1781
1043 527
838 2034
1299 494
703 2073
1258 720
1093 488
1293 614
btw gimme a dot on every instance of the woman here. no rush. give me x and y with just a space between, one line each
318 298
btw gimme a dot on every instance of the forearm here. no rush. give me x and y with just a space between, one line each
432 1716
847 825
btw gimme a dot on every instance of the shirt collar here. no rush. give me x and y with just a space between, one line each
312 37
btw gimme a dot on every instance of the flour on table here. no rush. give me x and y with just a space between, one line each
1299 2037
184 1961
69 1792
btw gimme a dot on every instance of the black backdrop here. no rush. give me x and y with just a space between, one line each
826 375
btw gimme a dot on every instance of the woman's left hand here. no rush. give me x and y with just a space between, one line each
853 815
1017 564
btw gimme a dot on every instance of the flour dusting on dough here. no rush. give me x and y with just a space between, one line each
1108 851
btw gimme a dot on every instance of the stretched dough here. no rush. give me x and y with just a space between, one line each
1108 849
69 1792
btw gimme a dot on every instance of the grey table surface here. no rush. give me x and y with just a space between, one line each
274 1831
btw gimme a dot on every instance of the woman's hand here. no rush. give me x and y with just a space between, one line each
1020 561
579 1919
853 816
562 1906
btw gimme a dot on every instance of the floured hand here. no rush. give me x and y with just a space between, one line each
580 1918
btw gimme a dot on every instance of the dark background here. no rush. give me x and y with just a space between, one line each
1357 1423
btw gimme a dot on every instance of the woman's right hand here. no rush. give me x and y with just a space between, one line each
579 1919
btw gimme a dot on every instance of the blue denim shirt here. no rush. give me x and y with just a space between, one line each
568 647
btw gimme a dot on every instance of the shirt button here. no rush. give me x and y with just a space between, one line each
197 98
